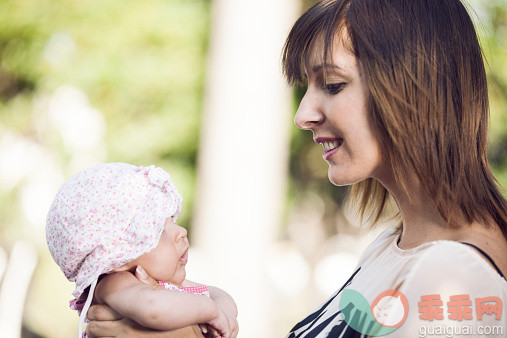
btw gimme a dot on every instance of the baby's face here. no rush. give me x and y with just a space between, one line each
167 261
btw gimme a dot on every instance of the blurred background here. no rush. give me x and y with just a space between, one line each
195 87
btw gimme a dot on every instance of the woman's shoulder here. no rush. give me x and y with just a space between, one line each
443 263
446 275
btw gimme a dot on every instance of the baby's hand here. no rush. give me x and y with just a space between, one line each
220 327
143 277
209 332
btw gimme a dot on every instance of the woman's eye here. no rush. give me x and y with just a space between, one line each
334 88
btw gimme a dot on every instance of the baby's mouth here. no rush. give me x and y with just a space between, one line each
184 257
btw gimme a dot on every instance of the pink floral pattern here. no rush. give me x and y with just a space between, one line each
106 216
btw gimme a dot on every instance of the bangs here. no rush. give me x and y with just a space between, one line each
324 21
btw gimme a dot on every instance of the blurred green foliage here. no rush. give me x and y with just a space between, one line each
141 64
494 42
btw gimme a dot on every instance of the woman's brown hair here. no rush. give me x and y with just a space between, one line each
428 91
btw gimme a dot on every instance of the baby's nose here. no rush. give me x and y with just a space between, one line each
181 233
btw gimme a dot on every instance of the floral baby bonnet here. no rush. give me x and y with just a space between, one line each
105 217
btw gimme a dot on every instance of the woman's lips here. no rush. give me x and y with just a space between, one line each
330 145
327 154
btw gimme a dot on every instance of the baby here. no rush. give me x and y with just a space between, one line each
109 222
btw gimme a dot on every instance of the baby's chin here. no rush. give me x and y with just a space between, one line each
177 280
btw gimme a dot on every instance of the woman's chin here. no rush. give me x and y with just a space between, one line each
341 179
344 176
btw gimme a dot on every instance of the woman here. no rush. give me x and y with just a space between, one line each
397 96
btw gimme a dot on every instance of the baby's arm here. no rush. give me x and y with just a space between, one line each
154 308
224 302
219 296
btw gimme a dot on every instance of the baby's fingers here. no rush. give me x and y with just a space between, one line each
219 334
206 330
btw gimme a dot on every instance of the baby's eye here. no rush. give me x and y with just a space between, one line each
334 88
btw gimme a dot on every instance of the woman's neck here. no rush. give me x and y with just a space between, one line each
423 223
421 219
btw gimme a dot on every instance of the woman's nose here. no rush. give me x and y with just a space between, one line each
308 114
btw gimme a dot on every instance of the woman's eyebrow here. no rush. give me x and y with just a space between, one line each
317 68
324 66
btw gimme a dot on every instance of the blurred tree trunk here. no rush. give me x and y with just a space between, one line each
243 154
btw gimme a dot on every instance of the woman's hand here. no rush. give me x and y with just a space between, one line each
104 322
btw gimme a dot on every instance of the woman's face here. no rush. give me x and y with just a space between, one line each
334 108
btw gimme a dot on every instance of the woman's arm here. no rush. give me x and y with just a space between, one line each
153 308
